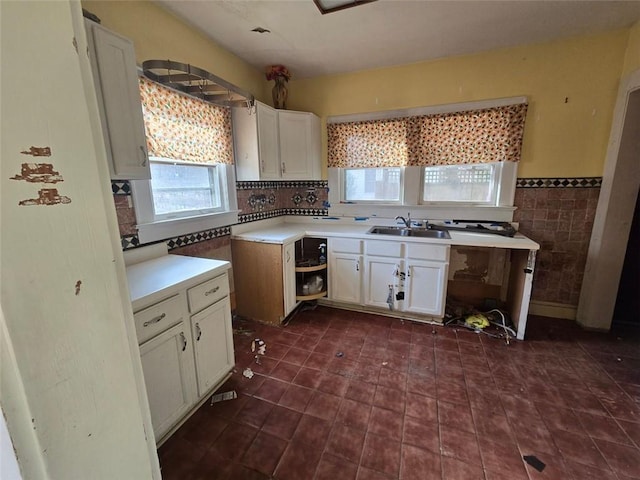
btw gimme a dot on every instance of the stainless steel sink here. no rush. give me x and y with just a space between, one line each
410 232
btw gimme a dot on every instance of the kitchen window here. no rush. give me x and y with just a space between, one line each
447 157
471 184
372 185
192 186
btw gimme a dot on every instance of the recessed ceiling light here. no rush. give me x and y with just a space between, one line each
328 6
261 30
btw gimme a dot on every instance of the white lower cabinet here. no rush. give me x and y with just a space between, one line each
386 274
345 270
425 287
345 277
212 334
289 277
381 275
167 363
186 349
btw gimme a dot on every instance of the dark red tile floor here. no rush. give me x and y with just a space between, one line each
415 401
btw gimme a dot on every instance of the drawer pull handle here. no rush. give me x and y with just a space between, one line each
213 290
184 341
143 154
154 320
198 332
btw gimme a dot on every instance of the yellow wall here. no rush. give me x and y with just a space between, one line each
158 34
561 139
632 56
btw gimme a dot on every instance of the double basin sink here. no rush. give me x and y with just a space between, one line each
410 232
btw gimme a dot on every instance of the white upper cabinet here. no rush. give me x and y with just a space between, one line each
115 75
299 134
275 144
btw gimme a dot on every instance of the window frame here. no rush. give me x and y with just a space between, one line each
218 186
343 188
151 229
496 176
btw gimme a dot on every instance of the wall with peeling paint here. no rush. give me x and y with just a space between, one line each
71 381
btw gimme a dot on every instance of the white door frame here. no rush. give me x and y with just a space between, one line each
616 204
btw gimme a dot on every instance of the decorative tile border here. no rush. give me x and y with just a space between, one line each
254 217
120 187
183 240
129 241
575 182
281 184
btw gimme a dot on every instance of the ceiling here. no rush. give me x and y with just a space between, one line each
389 32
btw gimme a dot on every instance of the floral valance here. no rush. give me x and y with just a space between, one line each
476 136
185 128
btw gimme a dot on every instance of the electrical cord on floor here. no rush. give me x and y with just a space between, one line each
502 325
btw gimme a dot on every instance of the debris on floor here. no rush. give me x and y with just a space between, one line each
535 462
259 347
243 331
340 354
222 397
248 372
493 323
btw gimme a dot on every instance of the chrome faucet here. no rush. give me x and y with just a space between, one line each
406 221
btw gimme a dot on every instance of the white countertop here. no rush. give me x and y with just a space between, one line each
154 279
283 233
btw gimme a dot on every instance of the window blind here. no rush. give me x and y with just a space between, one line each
184 128
475 136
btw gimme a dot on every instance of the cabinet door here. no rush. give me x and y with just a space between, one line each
116 78
168 368
426 287
345 277
381 278
297 145
213 340
289 276
267 118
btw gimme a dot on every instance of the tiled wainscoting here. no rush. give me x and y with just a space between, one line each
558 213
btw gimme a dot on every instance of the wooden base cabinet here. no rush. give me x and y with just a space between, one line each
264 275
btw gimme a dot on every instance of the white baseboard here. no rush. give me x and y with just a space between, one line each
554 310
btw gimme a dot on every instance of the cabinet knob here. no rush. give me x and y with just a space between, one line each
358 266
198 332
184 341
284 168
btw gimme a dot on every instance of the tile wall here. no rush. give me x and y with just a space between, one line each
558 214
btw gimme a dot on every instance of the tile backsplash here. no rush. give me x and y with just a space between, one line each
557 213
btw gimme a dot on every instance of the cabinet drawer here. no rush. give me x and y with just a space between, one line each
208 293
157 318
425 251
384 249
345 245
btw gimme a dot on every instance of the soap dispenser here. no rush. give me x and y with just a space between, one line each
322 258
